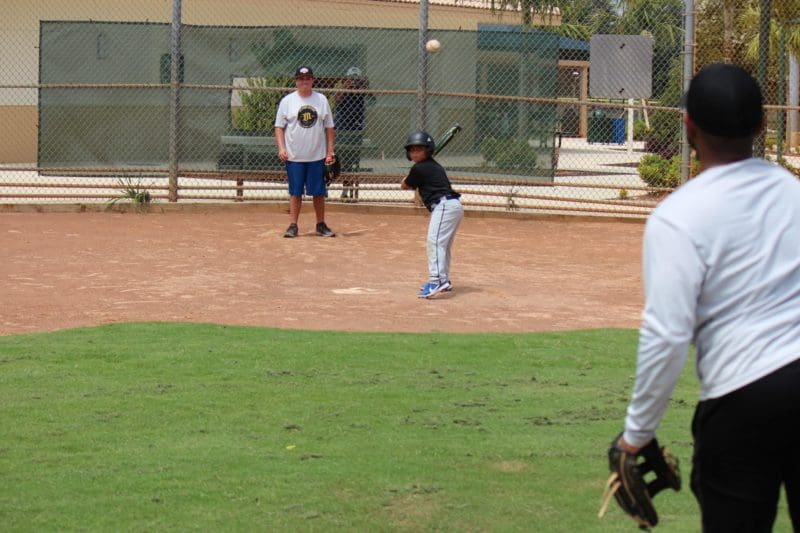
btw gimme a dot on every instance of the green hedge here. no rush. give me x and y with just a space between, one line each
658 171
508 154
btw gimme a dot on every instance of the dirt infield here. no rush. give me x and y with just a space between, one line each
231 266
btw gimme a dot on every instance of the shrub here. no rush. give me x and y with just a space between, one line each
516 154
663 138
509 154
259 107
770 139
658 171
133 192
652 169
665 126
640 130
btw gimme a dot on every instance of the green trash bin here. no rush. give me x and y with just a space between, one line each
600 127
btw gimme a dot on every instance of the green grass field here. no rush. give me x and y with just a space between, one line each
153 427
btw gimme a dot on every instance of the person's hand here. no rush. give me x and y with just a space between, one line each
627 482
624 445
329 158
283 155
333 169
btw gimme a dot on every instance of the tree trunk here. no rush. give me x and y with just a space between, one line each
728 29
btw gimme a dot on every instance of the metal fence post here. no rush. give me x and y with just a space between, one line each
781 89
174 98
688 72
763 59
422 68
794 98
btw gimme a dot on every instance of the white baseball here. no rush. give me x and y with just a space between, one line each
433 46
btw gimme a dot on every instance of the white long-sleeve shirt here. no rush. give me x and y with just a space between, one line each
722 270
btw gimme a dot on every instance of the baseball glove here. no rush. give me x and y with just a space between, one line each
333 170
627 483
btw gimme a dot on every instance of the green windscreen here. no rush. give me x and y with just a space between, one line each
105 96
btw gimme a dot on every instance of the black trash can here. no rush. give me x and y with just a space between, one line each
600 127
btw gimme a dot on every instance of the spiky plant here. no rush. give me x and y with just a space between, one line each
134 192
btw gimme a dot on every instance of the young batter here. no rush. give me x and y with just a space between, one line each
442 201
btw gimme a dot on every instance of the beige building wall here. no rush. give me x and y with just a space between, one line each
19 38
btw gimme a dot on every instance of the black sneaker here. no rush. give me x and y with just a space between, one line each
324 231
291 231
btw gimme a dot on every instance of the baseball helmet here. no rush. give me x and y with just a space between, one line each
353 72
420 138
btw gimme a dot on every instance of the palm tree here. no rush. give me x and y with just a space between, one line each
719 32
729 8
787 11
750 22
528 8
768 52
580 19
663 21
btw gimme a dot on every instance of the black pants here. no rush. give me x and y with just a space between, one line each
747 444
349 151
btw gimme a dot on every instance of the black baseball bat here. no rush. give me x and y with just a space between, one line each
446 138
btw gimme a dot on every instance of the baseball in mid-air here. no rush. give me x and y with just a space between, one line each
433 46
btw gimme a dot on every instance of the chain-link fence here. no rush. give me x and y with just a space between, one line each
575 110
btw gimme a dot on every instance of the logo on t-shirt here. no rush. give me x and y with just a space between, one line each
307 116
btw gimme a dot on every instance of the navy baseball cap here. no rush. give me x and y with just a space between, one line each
303 71
724 100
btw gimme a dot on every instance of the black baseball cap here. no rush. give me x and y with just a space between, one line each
303 70
724 100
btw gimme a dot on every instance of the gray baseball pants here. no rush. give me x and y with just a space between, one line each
445 218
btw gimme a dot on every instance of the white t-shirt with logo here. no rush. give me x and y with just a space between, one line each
304 120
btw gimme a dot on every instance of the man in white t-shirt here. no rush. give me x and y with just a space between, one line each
722 271
305 136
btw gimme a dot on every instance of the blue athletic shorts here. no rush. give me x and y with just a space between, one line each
306 177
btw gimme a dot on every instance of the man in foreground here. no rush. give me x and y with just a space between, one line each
722 270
